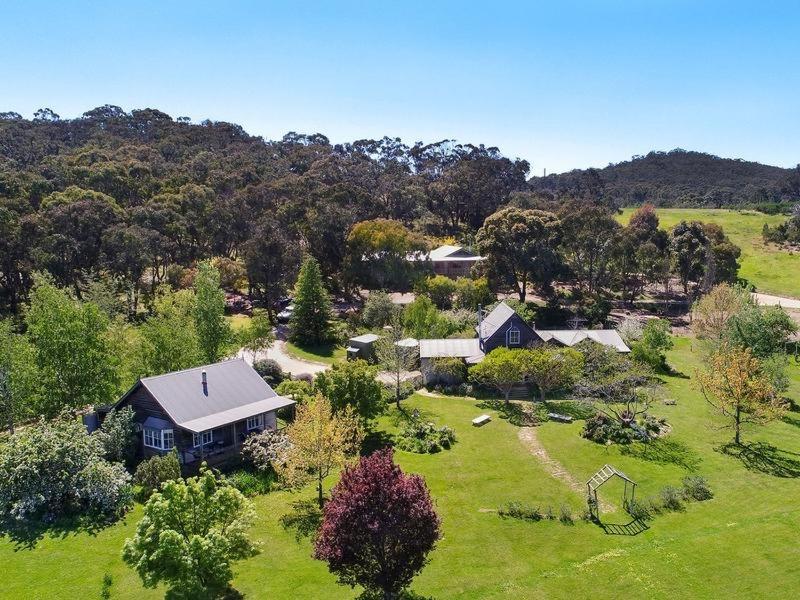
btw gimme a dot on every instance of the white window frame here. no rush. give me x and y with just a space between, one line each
255 422
160 439
197 437
514 337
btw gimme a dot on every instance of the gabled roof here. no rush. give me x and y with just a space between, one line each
496 319
451 253
234 391
571 337
456 348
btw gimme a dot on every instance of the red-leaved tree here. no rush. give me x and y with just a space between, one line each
378 527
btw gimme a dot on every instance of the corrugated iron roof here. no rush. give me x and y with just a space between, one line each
233 389
457 348
571 337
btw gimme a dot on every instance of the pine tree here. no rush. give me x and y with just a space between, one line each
310 323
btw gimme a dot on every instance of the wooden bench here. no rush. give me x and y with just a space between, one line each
559 418
481 420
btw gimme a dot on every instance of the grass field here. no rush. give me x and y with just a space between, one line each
326 353
769 268
741 544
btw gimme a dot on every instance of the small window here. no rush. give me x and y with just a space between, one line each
203 438
167 439
256 422
513 337
152 438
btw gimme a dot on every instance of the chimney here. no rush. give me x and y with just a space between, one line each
480 329
205 378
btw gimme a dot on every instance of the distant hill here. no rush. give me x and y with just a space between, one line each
675 178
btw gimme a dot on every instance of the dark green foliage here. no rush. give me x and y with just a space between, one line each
251 482
352 383
447 370
471 293
676 178
118 435
154 471
379 310
603 429
439 289
672 498
310 323
270 371
696 488
423 437
654 343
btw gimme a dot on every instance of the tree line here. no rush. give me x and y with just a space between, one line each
139 197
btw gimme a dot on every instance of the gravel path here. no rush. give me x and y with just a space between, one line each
288 363
529 439
769 300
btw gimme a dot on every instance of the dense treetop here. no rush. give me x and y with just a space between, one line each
677 178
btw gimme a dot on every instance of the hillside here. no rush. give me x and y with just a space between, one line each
675 178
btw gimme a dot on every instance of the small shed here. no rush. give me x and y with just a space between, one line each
362 346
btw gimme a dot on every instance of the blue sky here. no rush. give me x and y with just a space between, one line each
563 84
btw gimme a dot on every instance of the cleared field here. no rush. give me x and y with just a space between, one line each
770 269
740 544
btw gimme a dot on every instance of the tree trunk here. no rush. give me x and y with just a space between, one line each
319 490
397 392
737 426
507 394
541 394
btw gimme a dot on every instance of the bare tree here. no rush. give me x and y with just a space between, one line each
395 357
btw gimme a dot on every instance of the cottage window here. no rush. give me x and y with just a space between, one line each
201 439
167 439
161 439
256 422
513 337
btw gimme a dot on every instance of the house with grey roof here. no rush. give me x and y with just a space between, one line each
450 261
202 412
503 327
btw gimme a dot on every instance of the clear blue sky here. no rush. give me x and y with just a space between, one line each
562 84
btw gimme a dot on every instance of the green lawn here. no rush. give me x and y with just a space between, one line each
771 269
325 353
743 543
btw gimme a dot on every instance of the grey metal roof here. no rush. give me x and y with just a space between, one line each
233 391
571 337
366 338
458 348
495 320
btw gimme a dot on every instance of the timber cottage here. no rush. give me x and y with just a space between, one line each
203 412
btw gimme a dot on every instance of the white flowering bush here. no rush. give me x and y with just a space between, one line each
54 468
265 449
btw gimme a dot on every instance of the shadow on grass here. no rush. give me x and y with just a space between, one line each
516 413
305 519
376 440
26 535
321 350
765 458
663 451
635 527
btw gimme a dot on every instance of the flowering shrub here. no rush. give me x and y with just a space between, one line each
154 471
54 468
264 449
425 438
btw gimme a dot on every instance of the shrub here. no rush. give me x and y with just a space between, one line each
471 293
565 515
54 468
640 510
671 498
603 429
299 389
520 510
251 482
264 449
118 435
269 370
425 438
105 487
696 488
379 310
154 471
440 289
447 370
